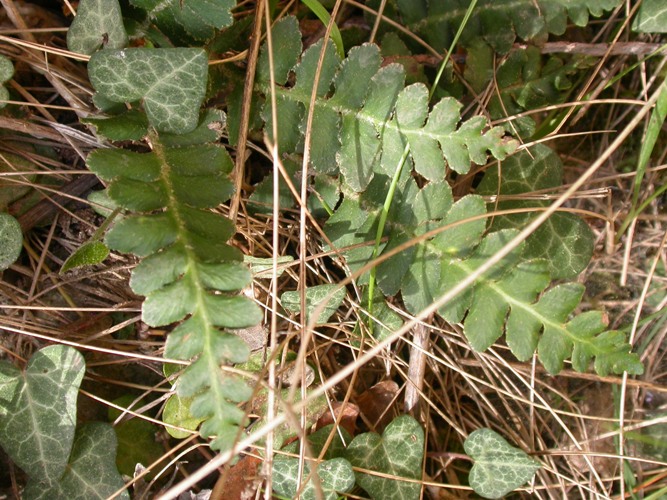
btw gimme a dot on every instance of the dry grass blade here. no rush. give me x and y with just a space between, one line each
586 430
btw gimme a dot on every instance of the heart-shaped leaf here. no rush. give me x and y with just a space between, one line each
499 468
38 410
565 241
136 437
11 240
177 412
171 83
91 472
398 452
291 301
98 24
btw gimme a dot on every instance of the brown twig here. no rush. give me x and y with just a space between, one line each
49 206
599 49
416 368
245 113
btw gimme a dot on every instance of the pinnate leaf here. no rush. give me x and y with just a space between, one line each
499 467
98 24
354 130
142 235
189 273
170 82
132 125
505 297
110 164
437 22
170 303
286 40
526 80
512 298
199 18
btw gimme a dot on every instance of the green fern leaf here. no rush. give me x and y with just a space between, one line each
188 269
527 81
504 299
362 126
512 298
498 22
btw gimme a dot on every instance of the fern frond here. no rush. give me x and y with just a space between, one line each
364 115
498 22
525 80
188 272
513 298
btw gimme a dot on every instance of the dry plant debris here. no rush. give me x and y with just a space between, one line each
580 86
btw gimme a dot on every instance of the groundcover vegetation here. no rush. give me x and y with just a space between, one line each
311 249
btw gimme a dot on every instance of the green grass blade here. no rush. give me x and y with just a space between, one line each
318 9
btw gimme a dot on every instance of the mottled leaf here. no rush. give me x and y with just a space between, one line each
564 240
398 452
11 240
171 83
335 477
315 295
499 467
651 17
98 24
91 472
38 411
